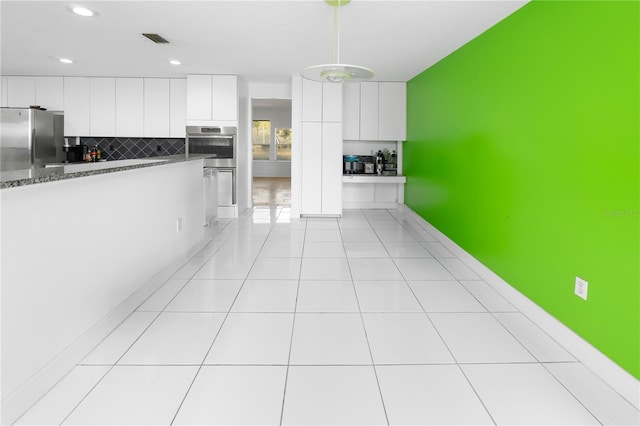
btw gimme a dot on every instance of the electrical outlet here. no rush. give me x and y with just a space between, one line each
581 288
179 224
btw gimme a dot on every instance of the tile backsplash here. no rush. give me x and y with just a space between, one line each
129 148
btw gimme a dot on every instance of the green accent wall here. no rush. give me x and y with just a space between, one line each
523 148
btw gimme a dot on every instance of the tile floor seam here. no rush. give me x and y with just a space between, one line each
111 367
293 327
364 328
202 364
571 393
457 363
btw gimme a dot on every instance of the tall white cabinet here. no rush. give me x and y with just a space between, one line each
320 151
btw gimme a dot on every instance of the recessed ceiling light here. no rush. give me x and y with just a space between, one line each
65 60
82 11
174 62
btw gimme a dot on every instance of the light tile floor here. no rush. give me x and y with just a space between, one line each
366 319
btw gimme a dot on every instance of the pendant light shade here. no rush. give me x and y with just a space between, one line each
337 72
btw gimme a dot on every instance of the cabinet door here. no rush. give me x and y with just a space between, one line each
199 97
224 97
103 107
129 107
76 106
22 92
331 102
369 111
49 93
351 111
178 106
4 87
156 107
331 168
311 168
311 100
392 124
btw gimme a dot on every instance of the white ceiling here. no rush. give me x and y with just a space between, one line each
262 41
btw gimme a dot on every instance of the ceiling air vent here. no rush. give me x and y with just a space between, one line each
155 38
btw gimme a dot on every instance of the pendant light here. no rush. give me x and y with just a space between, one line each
337 72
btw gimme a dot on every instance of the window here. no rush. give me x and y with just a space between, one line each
261 139
283 144
262 142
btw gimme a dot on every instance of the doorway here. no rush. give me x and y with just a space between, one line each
271 151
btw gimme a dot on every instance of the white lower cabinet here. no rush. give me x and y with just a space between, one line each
332 168
372 192
321 167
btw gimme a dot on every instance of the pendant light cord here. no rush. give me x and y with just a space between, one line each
336 33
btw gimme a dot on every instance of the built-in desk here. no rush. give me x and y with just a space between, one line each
372 191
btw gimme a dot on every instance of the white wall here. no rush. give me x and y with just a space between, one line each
74 250
270 91
280 117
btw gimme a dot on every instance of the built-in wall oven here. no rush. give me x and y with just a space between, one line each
217 146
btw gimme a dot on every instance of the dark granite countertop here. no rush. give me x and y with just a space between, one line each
15 178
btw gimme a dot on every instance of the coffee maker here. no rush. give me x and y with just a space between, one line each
75 153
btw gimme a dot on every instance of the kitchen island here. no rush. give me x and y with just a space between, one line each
81 249
61 171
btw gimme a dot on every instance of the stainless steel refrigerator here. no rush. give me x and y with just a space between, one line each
29 138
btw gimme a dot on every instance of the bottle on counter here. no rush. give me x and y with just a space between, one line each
98 154
94 154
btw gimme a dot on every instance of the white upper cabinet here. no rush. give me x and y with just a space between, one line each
22 92
351 111
392 111
212 98
311 100
199 92
76 106
369 111
375 111
178 108
4 88
102 108
129 107
331 102
224 98
49 93
157 108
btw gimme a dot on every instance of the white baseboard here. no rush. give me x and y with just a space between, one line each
368 205
601 365
27 394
